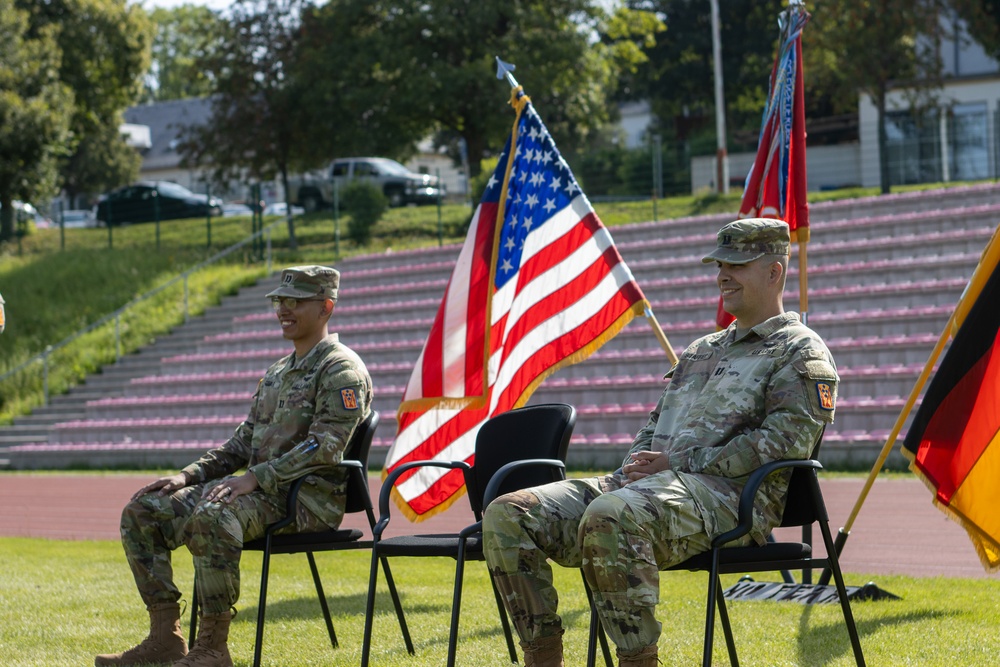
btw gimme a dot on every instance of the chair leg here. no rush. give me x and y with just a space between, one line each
262 602
193 627
713 591
504 622
726 628
370 607
369 610
398 605
322 599
845 604
596 631
456 603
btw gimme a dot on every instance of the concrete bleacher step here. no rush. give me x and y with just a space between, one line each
832 213
884 274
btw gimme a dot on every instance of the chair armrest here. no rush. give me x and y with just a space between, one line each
748 495
500 475
354 467
390 482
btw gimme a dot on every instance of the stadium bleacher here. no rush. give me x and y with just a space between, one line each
884 275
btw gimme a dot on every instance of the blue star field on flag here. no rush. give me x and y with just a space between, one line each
541 183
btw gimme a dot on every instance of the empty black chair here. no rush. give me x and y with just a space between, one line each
537 438
273 542
804 507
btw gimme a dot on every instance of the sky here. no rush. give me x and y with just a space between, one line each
169 4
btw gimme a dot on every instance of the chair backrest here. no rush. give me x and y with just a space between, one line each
802 504
532 432
358 449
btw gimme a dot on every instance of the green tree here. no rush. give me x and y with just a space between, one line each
439 61
184 36
105 48
881 44
354 93
677 78
258 124
34 111
982 18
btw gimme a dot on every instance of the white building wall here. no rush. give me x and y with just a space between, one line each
636 118
827 167
968 91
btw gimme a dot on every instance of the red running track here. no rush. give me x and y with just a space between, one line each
898 530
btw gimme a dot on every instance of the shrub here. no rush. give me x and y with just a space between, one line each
366 204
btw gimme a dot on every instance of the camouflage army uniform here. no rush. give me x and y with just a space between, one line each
733 403
303 414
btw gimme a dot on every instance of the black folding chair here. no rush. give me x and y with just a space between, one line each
273 542
804 507
536 437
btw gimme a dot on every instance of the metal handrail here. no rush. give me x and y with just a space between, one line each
116 315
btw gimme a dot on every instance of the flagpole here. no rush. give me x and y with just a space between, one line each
803 283
969 296
660 336
845 532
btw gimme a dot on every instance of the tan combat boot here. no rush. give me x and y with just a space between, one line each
544 652
210 648
644 658
163 646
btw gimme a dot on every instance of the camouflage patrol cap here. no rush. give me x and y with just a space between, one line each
308 282
743 241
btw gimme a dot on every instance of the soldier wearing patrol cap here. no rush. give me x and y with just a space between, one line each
761 390
301 418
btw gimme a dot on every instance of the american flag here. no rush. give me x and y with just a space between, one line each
538 285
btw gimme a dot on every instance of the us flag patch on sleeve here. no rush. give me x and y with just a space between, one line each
349 398
825 393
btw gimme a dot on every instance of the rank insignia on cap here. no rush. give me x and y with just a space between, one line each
350 400
825 393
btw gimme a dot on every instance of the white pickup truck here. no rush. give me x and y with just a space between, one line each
400 185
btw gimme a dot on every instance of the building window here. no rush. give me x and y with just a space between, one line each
913 147
968 144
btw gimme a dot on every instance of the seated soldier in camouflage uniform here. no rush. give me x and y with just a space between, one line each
760 390
301 418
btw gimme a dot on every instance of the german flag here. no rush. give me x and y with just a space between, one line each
954 441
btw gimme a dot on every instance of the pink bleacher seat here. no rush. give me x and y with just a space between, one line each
368 327
194 378
118 401
112 446
344 311
603 439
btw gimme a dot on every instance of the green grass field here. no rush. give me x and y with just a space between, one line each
63 602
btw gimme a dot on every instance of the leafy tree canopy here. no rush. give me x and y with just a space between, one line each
34 111
105 54
184 36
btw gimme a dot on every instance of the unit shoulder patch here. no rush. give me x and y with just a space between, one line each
824 392
349 398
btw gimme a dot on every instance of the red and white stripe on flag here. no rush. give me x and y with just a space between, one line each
538 285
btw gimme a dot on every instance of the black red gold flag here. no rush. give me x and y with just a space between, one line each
953 442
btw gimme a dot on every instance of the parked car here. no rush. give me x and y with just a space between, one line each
78 218
281 208
234 210
24 211
146 201
399 184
